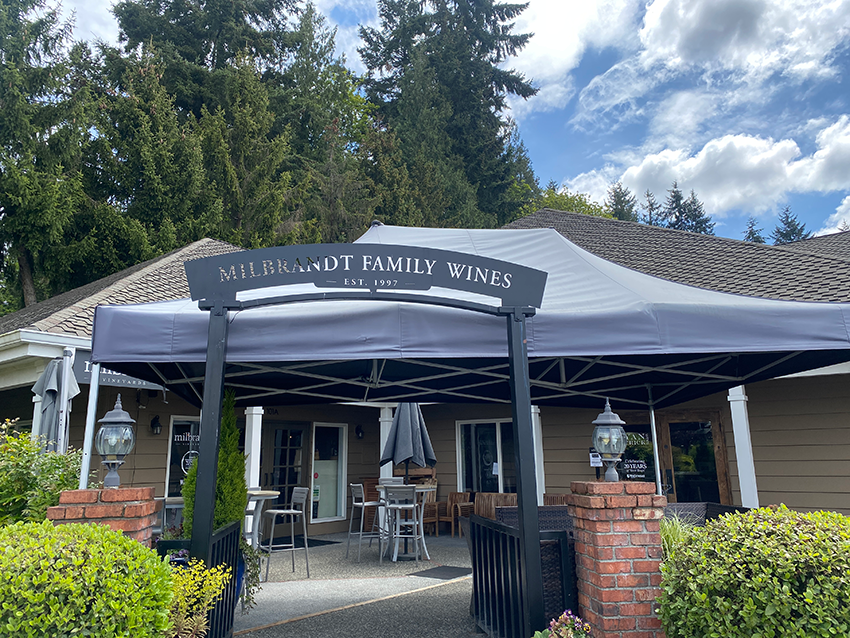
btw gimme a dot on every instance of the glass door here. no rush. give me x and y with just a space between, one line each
281 460
329 477
486 457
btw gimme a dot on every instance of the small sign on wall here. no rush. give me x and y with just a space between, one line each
595 458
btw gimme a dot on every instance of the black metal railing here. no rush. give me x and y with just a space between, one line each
497 595
224 549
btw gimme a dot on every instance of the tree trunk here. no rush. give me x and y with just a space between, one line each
27 282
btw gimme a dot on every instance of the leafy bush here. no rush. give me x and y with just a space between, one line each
31 481
80 580
760 574
196 589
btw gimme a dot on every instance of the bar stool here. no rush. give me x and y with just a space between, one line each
358 501
298 507
405 519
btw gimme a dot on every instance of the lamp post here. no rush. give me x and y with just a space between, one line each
114 441
609 439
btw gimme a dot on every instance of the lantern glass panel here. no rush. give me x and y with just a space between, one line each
609 439
115 440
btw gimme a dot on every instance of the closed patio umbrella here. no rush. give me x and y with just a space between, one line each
408 441
49 388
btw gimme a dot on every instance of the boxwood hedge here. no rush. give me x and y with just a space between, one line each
80 580
761 574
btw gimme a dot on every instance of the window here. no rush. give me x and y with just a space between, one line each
486 461
329 476
182 450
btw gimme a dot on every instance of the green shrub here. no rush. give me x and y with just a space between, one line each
231 491
760 574
674 531
31 481
80 580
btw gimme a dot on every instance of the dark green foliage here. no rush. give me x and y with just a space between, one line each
231 491
789 229
753 232
80 580
451 52
652 210
686 214
760 574
621 203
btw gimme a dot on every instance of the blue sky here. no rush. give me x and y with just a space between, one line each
743 101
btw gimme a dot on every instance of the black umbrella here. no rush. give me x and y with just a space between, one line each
408 441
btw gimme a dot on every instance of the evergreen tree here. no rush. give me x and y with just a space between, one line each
686 214
463 45
753 232
789 229
43 123
621 203
653 215
231 491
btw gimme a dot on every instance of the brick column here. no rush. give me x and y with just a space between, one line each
618 553
131 510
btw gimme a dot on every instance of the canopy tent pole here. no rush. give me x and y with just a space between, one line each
538 453
531 572
386 421
91 415
743 447
654 429
202 521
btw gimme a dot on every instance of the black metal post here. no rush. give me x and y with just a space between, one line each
529 532
202 519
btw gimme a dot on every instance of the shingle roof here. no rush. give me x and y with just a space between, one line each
158 279
717 263
834 245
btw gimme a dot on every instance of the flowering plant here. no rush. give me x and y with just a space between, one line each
568 625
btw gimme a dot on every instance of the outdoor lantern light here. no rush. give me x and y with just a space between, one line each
609 439
114 441
156 426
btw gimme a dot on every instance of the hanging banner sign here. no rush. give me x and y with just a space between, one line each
82 371
374 267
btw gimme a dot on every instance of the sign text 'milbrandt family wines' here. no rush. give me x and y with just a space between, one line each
367 266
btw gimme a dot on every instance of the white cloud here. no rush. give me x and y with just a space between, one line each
679 118
737 172
841 217
93 20
736 47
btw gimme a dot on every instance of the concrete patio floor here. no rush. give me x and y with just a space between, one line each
362 598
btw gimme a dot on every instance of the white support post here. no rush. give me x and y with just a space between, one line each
743 447
537 433
253 441
91 415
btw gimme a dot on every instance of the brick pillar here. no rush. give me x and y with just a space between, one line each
131 510
618 553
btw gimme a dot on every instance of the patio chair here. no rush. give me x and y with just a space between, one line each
297 508
358 501
454 509
404 518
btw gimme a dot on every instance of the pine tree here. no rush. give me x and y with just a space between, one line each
753 232
686 214
621 203
463 44
789 229
42 128
653 215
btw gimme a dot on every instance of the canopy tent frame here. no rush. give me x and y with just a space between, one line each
213 394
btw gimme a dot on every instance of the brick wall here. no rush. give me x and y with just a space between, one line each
618 554
131 510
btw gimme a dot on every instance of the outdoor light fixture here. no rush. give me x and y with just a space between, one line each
114 441
358 432
156 426
609 439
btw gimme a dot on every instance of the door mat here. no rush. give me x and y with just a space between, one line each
444 573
